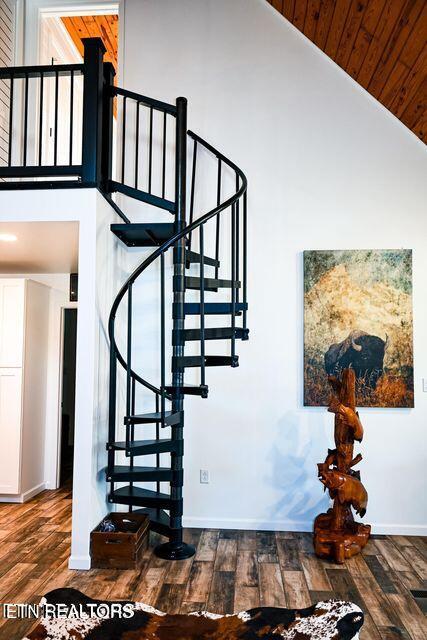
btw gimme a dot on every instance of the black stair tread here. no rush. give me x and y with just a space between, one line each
130 491
144 234
119 471
215 333
159 520
194 258
209 361
189 389
171 417
214 308
136 444
211 284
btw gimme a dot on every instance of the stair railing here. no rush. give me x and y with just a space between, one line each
199 223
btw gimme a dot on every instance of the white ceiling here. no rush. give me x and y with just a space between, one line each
41 247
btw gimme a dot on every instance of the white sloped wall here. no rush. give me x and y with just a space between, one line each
328 168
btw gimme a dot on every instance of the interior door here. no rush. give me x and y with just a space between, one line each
10 430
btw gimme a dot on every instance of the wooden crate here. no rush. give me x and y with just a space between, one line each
122 549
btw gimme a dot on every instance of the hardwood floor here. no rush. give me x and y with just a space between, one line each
231 571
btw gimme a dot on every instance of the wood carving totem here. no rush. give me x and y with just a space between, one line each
336 534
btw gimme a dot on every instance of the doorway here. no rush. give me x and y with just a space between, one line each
68 397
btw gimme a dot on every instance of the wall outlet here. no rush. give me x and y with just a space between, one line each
425 384
204 476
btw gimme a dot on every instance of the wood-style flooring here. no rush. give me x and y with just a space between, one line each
231 571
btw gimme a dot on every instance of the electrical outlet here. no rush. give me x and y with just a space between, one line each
204 476
425 384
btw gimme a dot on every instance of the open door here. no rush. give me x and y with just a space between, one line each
68 397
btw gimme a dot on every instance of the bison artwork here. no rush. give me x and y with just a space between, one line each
361 352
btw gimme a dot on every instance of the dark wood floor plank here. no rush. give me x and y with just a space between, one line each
247 569
296 590
271 589
170 597
221 597
199 582
226 555
410 614
266 546
246 541
206 550
381 576
245 598
288 553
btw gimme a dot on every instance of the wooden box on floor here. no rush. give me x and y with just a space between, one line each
122 549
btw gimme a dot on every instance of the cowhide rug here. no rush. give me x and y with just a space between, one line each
330 620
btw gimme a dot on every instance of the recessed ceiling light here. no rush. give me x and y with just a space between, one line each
8 237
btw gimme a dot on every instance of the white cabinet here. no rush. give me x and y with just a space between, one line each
24 327
10 428
12 309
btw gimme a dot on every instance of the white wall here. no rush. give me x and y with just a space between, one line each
98 269
328 167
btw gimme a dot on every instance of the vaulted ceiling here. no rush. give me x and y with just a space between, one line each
105 27
382 44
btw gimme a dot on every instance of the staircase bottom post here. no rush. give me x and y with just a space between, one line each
176 548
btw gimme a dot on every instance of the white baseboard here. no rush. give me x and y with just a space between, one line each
400 529
24 497
291 525
251 525
81 563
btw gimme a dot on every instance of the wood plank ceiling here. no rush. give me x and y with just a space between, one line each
105 27
382 44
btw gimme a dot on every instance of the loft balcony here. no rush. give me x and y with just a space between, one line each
65 126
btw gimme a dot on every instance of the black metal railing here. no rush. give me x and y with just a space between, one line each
232 266
57 129
145 139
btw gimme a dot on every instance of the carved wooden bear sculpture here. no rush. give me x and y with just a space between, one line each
336 534
347 488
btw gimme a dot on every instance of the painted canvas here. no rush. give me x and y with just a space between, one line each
358 313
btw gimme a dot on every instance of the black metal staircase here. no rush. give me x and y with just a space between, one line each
166 509
206 252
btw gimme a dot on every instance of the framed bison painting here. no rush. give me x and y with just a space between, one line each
358 313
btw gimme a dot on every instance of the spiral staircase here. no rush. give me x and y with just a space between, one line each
199 258
224 275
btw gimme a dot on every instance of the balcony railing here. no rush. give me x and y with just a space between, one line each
58 125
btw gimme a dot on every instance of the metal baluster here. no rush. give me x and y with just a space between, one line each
245 240
123 139
41 119
71 115
10 123
112 411
193 186
25 120
233 279
237 239
202 305
157 454
132 430
55 141
164 155
150 153
129 364
162 335
136 144
218 202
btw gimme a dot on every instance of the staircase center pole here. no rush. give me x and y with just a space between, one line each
176 548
